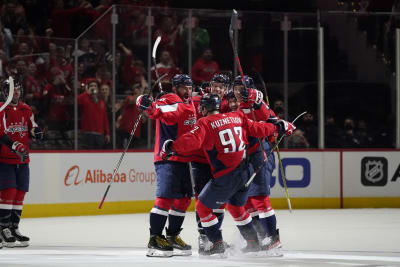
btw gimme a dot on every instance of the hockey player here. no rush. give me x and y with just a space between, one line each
200 168
17 126
222 138
258 203
174 116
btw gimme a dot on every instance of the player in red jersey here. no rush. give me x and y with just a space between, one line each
258 203
223 138
200 168
174 116
17 127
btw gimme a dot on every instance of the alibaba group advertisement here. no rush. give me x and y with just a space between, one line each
83 177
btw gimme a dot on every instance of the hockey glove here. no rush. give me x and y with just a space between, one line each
284 128
19 149
273 119
252 96
37 133
166 151
144 102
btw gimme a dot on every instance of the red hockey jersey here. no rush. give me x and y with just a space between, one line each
17 122
223 138
260 114
173 119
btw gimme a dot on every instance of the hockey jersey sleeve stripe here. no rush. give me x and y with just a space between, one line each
167 108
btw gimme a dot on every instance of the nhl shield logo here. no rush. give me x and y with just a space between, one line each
374 171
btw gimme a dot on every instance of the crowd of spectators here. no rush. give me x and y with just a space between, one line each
37 48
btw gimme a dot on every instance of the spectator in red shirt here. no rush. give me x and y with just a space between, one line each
205 67
166 66
56 101
94 121
168 32
128 117
131 74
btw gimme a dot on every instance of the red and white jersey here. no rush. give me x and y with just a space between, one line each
199 155
17 122
173 119
223 138
260 114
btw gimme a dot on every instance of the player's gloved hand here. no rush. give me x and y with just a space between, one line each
284 127
144 102
166 151
37 133
19 149
273 119
252 96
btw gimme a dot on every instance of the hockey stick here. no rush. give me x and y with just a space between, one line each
153 55
271 151
234 20
277 147
133 130
10 94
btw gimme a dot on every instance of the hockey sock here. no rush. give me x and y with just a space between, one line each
270 222
17 208
220 214
6 203
243 222
159 215
199 226
270 217
259 225
177 214
209 222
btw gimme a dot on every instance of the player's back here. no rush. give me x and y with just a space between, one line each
225 141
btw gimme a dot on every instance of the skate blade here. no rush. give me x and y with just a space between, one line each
275 252
8 244
178 252
214 256
21 244
159 253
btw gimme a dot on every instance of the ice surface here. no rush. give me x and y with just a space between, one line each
350 237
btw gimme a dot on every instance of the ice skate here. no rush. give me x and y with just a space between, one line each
8 239
179 246
204 243
159 247
272 245
217 250
21 240
251 247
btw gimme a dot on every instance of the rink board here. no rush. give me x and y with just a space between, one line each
65 184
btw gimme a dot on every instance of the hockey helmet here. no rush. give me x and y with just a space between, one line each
247 79
181 79
210 102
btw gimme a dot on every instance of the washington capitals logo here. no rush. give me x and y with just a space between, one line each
18 127
190 121
374 171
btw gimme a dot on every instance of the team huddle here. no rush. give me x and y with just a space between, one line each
208 146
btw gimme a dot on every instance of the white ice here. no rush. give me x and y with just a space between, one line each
349 237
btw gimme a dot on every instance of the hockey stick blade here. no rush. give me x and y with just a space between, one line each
156 43
10 94
233 24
